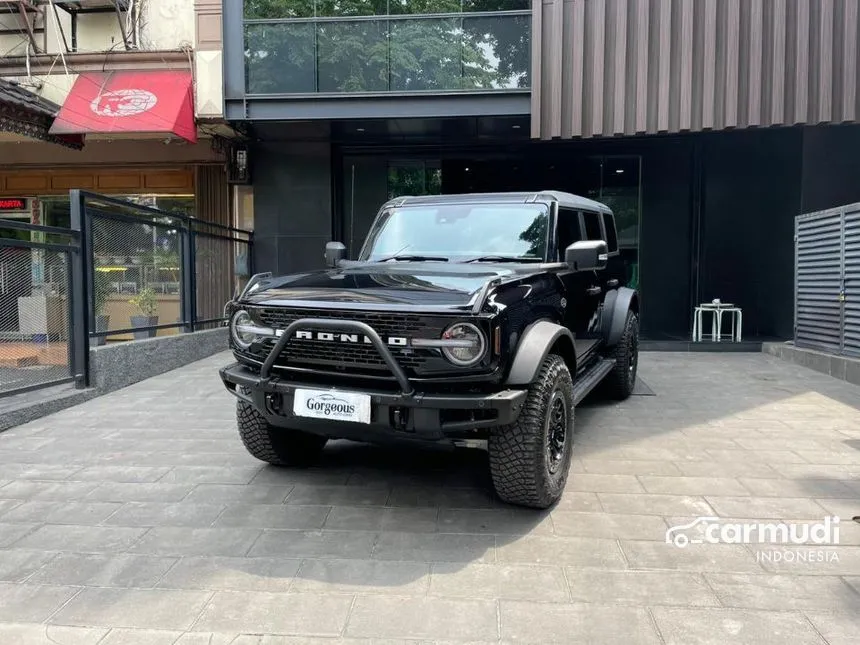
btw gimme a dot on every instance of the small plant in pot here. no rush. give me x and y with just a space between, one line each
101 288
147 304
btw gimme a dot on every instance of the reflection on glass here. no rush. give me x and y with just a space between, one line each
402 7
496 52
425 54
279 8
279 58
417 178
352 56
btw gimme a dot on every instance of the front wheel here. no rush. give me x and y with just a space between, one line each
619 383
530 458
277 446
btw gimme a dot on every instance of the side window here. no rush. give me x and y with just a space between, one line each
611 235
568 230
592 226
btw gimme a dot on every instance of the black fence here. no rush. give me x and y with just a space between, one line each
121 271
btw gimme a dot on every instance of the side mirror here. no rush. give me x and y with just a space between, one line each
587 255
334 253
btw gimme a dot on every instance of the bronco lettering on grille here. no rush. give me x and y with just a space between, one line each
395 341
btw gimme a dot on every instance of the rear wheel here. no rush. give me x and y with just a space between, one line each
530 459
278 446
619 383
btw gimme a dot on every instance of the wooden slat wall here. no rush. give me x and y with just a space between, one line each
215 257
30 183
628 67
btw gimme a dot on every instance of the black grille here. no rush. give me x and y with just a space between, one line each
347 356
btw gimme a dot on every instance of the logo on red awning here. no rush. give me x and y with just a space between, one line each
123 103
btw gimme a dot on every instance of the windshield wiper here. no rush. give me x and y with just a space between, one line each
415 258
501 258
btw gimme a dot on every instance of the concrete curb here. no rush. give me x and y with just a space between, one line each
843 368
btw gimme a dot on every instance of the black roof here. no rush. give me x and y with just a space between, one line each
567 200
11 93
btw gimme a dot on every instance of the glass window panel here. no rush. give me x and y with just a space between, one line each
338 8
496 52
592 225
425 54
496 5
402 7
353 56
611 238
279 58
279 8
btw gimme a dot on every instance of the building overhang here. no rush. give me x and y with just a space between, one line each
80 62
25 113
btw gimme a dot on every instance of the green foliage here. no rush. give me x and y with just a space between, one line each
145 301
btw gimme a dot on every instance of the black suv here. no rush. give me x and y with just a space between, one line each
478 317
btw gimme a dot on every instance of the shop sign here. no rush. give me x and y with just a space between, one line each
13 204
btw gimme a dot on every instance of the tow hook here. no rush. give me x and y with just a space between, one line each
399 419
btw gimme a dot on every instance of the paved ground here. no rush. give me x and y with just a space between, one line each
137 518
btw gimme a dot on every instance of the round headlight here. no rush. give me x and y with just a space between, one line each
470 348
241 328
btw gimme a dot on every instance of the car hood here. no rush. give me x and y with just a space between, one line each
426 284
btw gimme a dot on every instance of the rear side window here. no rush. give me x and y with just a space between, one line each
611 235
592 226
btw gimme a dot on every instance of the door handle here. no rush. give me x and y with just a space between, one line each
612 283
593 291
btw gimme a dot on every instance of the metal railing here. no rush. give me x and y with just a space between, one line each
120 271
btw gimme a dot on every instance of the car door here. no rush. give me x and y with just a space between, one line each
593 288
579 308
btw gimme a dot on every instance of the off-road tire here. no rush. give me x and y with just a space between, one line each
520 464
277 446
619 383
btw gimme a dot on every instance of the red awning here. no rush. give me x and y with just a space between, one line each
129 102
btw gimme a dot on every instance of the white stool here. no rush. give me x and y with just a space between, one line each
697 321
735 319
717 309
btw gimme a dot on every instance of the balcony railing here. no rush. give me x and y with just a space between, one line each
450 52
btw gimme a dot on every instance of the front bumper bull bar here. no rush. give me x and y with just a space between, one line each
425 409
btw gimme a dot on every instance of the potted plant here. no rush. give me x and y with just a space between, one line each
101 288
147 304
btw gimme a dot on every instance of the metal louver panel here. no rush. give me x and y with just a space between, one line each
851 316
818 281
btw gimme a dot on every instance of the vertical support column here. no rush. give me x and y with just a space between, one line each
188 292
79 294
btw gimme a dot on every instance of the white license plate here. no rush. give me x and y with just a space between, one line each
332 405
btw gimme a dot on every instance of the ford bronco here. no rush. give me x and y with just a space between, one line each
474 319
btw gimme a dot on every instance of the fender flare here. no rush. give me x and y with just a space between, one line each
615 307
534 346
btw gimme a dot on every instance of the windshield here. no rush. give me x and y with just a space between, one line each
459 232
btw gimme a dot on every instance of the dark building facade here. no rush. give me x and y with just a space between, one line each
706 125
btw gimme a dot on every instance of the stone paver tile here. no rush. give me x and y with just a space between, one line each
829 457
43 472
798 488
338 495
646 504
696 557
165 514
321 476
508 521
606 525
435 496
693 486
103 570
639 588
428 547
233 638
363 576
726 469
783 592
80 513
645 453
511 581
26 603
232 574
294 613
237 494
363 518
16 565
436 618
273 516
819 472
196 541
143 608
765 508
683 626
7 505
579 501
209 475
81 539
572 551
837 629
314 544
48 491
36 634
768 457
121 474
629 467
596 483
539 623
845 509
811 560
124 636
11 533
126 492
